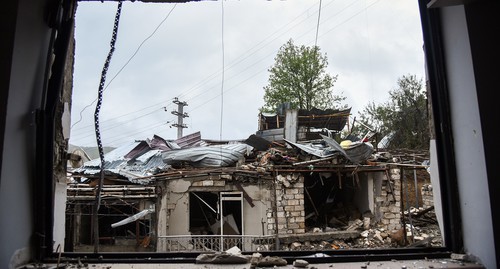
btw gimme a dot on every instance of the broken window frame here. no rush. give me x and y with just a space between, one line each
63 25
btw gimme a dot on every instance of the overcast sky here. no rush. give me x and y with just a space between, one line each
165 51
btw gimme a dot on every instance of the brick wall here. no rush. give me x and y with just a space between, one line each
389 201
427 196
288 210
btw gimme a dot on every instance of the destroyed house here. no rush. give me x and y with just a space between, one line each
258 195
460 59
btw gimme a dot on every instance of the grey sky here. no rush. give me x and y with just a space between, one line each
369 44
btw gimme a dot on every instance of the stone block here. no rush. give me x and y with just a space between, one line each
299 231
389 216
208 183
394 209
197 184
219 183
394 221
295 214
291 191
299 185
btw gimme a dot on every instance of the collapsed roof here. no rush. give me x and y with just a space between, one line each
138 160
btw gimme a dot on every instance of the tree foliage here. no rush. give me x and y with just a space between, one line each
299 77
405 114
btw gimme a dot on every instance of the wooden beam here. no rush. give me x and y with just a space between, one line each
245 194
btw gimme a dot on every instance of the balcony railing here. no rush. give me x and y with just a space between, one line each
203 243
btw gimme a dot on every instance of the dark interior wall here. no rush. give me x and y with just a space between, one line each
24 49
483 25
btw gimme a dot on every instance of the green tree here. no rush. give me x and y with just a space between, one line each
299 77
405 114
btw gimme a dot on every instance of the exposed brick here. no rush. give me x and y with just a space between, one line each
299 185
281 220
389 216
299 196
295 213
394 209
394 221
197 184
383 209
291 191
207 183
220 183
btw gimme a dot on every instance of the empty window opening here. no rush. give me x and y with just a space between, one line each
370 205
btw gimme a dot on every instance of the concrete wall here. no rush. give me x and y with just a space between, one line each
24 87
467 134
173 217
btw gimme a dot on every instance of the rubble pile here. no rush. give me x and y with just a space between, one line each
420 234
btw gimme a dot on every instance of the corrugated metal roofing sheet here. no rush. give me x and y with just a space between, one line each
210 156
136 160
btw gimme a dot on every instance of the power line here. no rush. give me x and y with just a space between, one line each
201 83
127 62
222 76
317 25
226 67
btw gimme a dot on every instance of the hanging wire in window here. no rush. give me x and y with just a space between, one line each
97 129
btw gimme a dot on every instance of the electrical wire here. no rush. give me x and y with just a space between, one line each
317 25
282 29
222 75
256 49
127 62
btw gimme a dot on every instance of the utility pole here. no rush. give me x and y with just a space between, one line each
180 116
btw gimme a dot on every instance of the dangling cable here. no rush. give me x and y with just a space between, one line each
222 82
317 25
97 130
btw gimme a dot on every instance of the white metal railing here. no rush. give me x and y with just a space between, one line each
203 243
